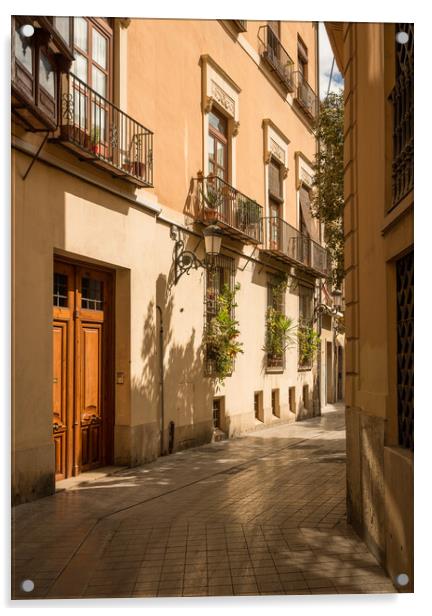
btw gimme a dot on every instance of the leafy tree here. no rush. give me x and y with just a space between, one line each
328 200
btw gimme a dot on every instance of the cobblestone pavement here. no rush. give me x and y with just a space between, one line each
261 514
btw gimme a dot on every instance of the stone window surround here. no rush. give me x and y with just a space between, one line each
221 92
276 148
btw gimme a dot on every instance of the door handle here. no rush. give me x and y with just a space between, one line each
90 418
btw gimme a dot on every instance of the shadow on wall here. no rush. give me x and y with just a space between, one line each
175 396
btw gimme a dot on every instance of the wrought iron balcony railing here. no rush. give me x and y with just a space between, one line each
305 96
272 50
282 240
103 134
237 214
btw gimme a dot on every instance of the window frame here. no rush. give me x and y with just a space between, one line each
39 43
223 139
103 27
305 317
302 59
226 267
275 364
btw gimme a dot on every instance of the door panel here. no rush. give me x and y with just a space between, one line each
82 364
60 420
90 407
63 305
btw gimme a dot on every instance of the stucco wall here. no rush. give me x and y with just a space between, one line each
83 213
374 239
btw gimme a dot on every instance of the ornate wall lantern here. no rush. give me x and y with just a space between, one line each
185 260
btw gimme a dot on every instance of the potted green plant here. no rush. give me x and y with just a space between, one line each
280 329
212 199
221 335
95 139
308 343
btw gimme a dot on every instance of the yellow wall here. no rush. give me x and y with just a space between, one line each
68 207
379 473
164 93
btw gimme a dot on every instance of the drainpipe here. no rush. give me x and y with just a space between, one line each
161 382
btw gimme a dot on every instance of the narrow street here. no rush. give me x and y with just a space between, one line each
261 514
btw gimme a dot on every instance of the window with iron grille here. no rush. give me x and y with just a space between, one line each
405 349
305 303
305 321
402 98
275 307
217 412
222 273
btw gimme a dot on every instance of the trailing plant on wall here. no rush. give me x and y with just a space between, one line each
221 335
280 329
308 343
328 200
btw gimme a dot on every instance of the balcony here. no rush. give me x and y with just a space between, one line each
238 215
282 241
100 133
275 54
305 96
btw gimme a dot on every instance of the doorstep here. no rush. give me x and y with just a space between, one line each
79 480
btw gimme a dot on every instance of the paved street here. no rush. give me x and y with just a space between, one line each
261 514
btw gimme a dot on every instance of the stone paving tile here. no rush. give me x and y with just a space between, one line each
184 526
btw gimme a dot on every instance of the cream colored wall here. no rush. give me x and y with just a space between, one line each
82 213
59 214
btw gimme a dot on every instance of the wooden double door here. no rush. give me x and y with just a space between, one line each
83 417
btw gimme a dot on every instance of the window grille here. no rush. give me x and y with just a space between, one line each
402 98
405 349
216 413
222 273
305 318
277 302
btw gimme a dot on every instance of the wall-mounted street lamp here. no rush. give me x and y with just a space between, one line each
334 311
185 260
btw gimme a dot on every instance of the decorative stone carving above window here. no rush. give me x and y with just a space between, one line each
304 171
224 99
277 151
275 145
218 88
306 177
